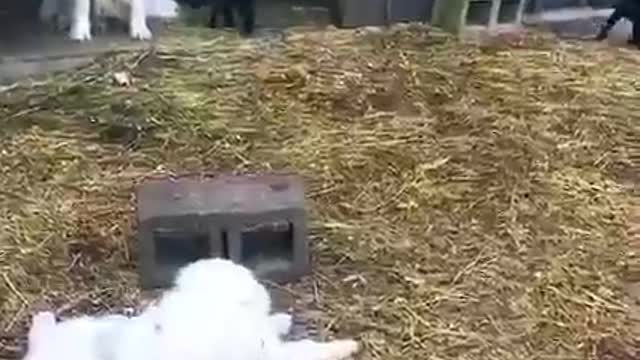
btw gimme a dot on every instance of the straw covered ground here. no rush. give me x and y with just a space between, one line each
467 201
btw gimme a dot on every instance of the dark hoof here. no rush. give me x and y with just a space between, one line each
247 33
248 29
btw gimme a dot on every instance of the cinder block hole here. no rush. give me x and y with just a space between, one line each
268 247
225 245
508 11
479 12
175 248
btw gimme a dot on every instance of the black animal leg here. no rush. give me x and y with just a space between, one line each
213 15
227 14
247 10
611 21
635 34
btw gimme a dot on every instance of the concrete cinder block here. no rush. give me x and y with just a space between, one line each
457 15
258 221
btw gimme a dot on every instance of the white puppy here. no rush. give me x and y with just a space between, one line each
216 310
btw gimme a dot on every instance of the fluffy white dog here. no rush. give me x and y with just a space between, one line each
216 310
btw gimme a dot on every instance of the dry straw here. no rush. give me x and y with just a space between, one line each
467 202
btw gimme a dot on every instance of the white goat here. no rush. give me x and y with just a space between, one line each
78 14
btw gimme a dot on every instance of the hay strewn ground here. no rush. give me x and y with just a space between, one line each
467 201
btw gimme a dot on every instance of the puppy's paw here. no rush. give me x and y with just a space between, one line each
281 323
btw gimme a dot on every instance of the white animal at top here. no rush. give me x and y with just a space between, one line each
216 310
78 14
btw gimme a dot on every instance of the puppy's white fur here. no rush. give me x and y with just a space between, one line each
216 310
236 299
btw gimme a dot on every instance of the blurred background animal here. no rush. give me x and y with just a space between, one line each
215 310
245 9
627 9
75 15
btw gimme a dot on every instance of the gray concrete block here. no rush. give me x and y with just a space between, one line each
258 221
457 16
